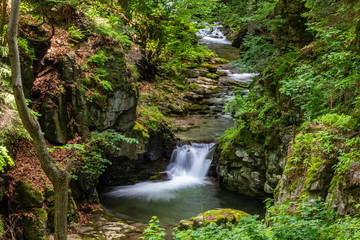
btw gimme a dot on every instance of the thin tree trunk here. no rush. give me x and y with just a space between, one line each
2 20
357 41
59 178
251 9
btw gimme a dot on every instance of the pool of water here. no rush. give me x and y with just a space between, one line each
171 206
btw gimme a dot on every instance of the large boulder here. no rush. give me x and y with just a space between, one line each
251 166
219 216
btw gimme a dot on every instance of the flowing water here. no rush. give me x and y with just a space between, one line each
182 196
187 189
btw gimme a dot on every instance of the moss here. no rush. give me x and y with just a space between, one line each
219 216
212 76
27 196
35 225
140 128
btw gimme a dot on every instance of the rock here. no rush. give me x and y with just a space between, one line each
212 75
195 73
346 193
26 196
54 120
239 36
35 225
211 68
198 107
219 216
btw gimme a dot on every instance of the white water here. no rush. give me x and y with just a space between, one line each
212 33
187 169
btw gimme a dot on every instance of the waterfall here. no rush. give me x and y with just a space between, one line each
191 160
188 167
213 33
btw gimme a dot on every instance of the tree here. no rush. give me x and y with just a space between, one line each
60 178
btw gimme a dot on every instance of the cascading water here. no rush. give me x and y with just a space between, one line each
191 160
188 168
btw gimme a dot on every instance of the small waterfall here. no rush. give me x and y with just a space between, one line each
191 160
187 169
213 33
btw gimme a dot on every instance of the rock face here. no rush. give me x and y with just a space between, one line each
114 109
251 167
322 163
219 216
137 162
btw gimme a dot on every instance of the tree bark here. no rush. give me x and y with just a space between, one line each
59 178
251 9
2 20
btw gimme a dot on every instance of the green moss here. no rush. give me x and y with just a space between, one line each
219 216
35 225
27 196
140 128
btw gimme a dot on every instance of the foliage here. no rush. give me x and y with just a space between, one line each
154 231
259 51
166 32
151 117
75 33
92 154
305 219
24 45
5 159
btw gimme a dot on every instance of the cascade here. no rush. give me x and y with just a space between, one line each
188 168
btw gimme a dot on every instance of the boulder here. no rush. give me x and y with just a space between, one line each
35 225
219 216
26 196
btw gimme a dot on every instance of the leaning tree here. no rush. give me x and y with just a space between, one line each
60 178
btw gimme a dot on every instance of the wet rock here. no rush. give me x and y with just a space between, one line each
219 216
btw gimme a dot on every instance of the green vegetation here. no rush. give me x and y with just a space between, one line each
5 159
90 157
300 220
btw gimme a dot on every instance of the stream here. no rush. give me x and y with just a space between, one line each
188 190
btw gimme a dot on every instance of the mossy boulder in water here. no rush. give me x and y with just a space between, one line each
219 216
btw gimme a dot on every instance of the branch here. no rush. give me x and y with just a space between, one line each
46 39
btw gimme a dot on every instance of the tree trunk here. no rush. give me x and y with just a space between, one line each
357 40
59 178
251 24
2 21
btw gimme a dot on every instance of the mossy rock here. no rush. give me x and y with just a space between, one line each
219 216
139 128
35 225
27 197
198 107
211 68
212 76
